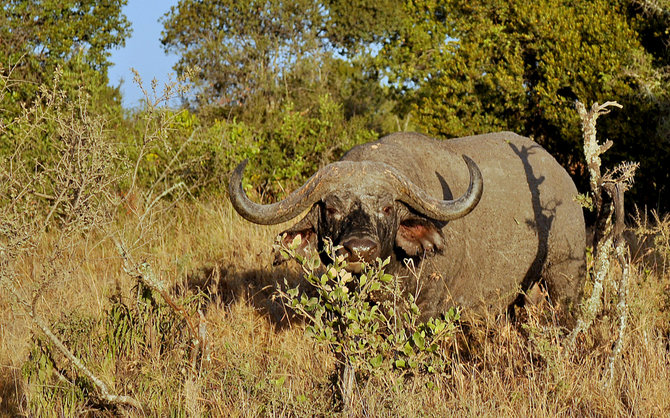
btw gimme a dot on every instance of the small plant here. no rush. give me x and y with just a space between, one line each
368 321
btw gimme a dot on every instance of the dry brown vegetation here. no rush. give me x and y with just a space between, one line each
259 366
186 324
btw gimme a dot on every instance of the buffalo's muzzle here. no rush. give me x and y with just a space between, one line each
357 249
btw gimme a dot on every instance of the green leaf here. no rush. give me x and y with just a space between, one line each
408 350
376 361
419 340
280 381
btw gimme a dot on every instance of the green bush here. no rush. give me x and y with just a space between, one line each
162 148
368 320
283 154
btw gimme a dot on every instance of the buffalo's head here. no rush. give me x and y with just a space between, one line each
369 208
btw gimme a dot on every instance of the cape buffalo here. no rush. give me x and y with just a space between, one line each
515 220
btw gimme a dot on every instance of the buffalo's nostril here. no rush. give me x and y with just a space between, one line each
361 249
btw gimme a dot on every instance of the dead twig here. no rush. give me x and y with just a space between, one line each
608 240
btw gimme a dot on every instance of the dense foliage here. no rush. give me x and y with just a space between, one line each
468 67
367 320
451 68
244 48
36 37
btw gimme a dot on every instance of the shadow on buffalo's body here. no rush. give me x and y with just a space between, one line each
480 233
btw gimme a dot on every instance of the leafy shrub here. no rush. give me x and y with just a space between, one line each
162 149
368 320
286 153
282 154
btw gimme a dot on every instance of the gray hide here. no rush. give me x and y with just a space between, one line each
525 228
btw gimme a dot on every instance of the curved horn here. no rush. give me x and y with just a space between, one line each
282 211
442 210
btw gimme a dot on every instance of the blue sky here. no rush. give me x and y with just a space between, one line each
143 50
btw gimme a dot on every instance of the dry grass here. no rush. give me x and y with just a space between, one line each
262 366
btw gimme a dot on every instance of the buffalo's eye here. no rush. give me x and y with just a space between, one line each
388 210
331 211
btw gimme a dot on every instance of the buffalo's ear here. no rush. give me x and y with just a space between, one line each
308 238
419 236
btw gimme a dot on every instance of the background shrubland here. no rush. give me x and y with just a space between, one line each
116 234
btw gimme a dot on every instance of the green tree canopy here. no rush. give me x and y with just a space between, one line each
454 68
54 30
467 67
244 47
36 36
255 55
354 26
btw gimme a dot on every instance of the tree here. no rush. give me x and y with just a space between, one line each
244 48
55 30
355 27
467 67
36 36
255 55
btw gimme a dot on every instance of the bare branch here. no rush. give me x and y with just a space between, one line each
609 227
592 149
